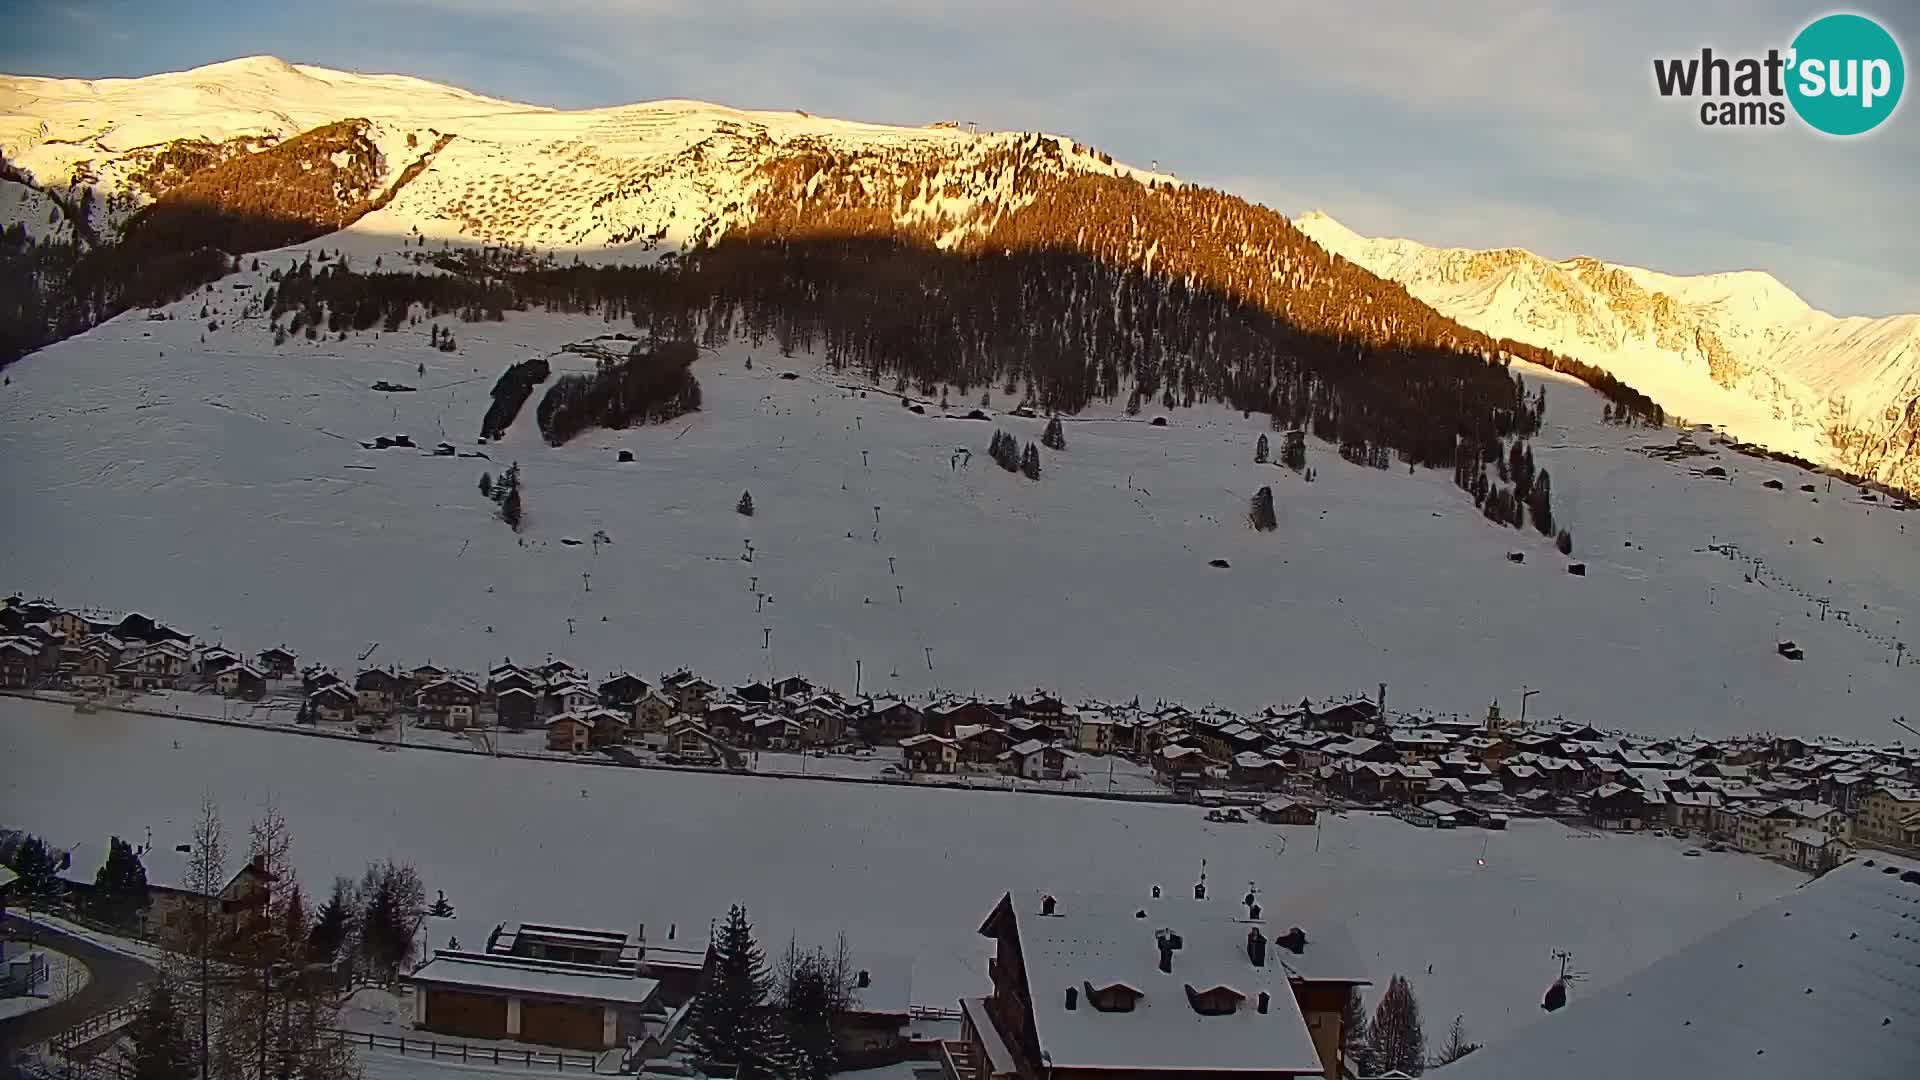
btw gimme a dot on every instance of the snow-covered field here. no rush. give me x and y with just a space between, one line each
904 872
223 486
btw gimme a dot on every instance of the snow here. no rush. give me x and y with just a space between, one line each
230 507
66 976
1818 983
464 971
903 871
1793 372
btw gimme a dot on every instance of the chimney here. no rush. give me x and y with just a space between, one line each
1253 913
1265 999
1199 890
1073 998
863 980
1165 940
1156 892
1294 941
1046 905
1257 948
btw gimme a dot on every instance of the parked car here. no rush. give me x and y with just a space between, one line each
1692 851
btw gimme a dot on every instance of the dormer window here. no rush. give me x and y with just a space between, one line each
1113 997
1214 1001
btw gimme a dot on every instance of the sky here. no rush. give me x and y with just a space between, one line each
1522 123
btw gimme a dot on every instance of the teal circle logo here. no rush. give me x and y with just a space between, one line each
1847 74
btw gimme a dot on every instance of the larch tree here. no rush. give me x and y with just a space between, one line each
1458 1046
1395 1038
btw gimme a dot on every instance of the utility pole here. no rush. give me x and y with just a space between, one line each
928 649
856 678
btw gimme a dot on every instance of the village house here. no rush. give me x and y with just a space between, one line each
688 737
21 662
1096 733
1177 762
980 744
622 690
688 691
332 703
1285 811
727 720
1256 770
475 995
1814 850
447 703
945 717
376 691
215 659
885 721
825 725
243 681
1357 717
171 896
570 733
1035 760
651 711
1692 810
567 695
1435 813
1093 988
516 708
508 677
157 666
1890 815
925 753
424 675
772 731
1616 806
278 663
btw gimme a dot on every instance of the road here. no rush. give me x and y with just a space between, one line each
114 978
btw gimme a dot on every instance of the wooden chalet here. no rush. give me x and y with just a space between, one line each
332 703
516 707
377 691
278 663
929 753
448 703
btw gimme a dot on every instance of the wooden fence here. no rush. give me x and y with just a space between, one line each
491 1055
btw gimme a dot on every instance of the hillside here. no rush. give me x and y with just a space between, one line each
1739 350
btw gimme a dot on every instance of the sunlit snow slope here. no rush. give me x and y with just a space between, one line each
224 485
1738 350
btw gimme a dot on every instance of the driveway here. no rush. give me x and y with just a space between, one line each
113 979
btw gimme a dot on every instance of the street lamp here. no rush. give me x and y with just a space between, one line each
1524 695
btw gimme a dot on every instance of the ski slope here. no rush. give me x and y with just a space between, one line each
223 486
903 872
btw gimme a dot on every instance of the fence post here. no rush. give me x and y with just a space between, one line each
403 1046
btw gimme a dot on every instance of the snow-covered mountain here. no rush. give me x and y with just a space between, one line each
624 183
1738 350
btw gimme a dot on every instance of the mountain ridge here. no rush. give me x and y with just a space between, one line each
1738 348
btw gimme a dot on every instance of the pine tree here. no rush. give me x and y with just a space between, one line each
1054 438
486 484
1030 462
1564 541
1457 1045
161 1048
1260 451
729 1023
1395 1039
1540 506
120 885
1353 1038
1260 513
38 871
745 506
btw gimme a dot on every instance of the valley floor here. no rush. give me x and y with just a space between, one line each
902 871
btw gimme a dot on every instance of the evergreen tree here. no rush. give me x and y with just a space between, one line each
331 926
729 1022
441 909
1457 1045
1260 451
1395 1039
393 905
1353 1042
1030 462
1564 541
161 1048
39 873
120 885
1260 513
510 511
1054 438
486 484
745 506
1540 506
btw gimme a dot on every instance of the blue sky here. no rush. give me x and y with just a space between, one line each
1502 122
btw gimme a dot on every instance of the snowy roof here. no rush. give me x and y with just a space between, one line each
477 971
1817 983
166 867
1253 759
520 690
1810 837
1441 808
1028 748
7 877
1107 945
